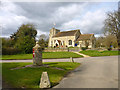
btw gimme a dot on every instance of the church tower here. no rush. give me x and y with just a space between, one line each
53 32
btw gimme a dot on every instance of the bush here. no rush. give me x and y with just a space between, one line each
10 51
83 48
71 47
109 49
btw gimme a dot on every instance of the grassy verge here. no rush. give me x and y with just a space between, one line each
30 77
45 55
99 53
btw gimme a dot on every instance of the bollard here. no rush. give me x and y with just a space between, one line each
71 59
37 55
44 82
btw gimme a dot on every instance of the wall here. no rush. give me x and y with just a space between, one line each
56 50
65 39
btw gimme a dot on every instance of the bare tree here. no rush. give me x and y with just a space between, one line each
100 42
112 25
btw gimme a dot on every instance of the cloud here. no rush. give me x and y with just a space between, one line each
10 18
91 22
83 15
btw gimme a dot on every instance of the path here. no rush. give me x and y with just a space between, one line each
44 60
82 54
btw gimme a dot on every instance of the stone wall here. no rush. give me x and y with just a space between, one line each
62 49
56 50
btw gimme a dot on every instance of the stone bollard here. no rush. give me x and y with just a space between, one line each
71 59
45 82
37 55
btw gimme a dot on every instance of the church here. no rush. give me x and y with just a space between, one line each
72 38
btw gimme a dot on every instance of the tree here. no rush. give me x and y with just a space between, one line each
43 41
112 25
109 41
25 38
100 42
7 42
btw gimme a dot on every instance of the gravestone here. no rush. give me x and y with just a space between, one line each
37 55
45 82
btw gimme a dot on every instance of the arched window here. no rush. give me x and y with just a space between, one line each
70 42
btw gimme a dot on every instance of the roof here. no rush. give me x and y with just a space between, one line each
85 37
66 33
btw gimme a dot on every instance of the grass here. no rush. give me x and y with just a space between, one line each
94 53
30 77
45 55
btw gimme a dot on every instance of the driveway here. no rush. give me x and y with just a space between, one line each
94 72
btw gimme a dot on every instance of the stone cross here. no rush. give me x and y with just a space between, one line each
45 82
37 55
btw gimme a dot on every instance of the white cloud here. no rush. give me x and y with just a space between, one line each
91 22
39 32
66 16
10 18
68 12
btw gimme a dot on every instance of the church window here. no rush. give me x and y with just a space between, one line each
70 42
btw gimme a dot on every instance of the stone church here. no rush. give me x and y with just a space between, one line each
72 38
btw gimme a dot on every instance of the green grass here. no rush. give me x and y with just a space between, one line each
45 55
99 53
30 77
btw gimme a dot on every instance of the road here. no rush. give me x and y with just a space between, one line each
94 72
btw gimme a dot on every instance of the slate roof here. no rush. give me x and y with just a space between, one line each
84 37
66 33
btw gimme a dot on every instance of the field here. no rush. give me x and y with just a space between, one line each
29 77
45 55
95 53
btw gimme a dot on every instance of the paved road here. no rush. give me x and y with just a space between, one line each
44 60
95 72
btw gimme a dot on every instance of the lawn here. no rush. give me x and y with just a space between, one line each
30 77
99 53
45 55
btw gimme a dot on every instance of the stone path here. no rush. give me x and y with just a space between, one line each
82 54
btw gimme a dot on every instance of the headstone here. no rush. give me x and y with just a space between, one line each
37 55
71 59
45 82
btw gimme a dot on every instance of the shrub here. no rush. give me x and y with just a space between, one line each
10 51
83 48
109 49
71 47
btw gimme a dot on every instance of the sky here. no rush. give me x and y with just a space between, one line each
87 16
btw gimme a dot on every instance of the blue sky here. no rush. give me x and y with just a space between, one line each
87 16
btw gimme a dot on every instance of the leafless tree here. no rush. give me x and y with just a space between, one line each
112 25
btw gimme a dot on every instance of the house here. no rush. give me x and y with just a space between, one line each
72 38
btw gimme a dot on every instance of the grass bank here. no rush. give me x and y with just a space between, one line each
45 55
95 53
30 77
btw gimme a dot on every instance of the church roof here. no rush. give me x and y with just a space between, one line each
85 37
66 33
